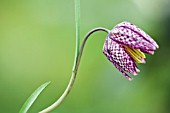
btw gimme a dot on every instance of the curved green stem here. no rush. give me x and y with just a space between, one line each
74 72
84 42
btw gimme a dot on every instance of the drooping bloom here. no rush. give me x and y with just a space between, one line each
125 46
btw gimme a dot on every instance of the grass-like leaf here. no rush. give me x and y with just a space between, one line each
26 106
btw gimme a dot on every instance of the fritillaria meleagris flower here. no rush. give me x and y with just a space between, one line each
125 45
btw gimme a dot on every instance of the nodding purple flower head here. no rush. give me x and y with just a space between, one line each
125 45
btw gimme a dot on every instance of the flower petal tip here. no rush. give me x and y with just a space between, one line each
135 74
130 79
137 70
143 61
152 52
157 46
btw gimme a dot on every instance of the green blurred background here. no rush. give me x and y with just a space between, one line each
37 42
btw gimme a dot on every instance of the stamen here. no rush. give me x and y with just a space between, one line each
137 55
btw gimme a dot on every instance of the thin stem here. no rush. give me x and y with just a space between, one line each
85 39
74 72
72 79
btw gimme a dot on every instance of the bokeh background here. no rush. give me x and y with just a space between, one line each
37 42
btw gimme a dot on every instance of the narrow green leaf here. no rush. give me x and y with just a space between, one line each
77 22
33 97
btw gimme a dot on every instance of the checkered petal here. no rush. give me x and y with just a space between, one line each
132 36
119 57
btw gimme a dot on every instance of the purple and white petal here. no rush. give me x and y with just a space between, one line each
119 57
132 39
128 25
124 46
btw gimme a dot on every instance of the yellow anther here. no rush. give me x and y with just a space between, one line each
133 55
137 55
